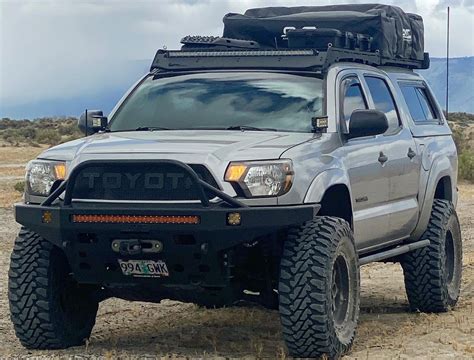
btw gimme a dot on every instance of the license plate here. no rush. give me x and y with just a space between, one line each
144 268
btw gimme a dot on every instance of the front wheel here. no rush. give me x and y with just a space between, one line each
319 289
49 310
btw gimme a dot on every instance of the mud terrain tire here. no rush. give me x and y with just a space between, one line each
319 289
48 309
433 273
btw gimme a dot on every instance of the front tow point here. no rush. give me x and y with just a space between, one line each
136 246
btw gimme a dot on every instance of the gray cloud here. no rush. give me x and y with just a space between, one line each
58 49
443 4
469 5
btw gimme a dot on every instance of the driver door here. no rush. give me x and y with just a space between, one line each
370 187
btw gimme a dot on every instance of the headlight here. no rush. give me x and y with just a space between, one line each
41 175
258 178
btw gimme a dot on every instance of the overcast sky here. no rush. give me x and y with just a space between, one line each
60 48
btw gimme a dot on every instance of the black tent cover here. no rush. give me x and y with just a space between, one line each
395 34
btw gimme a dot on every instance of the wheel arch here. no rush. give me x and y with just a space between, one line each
332 190
441 184
444 190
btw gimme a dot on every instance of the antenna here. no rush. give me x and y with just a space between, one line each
87 125
447 67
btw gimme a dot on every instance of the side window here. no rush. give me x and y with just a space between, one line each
353 98
383 101
418 102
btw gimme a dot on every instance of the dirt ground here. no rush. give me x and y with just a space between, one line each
176 330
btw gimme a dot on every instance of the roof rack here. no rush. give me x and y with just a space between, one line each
295 59
197 42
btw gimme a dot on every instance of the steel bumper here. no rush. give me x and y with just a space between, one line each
56 223
195 253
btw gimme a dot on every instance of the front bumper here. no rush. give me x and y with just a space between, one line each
200 258
55 223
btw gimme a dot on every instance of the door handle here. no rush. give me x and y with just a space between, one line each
411 154
382 158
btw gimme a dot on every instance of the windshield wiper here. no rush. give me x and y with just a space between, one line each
150 128
250 128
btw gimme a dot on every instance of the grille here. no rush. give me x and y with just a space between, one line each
131 181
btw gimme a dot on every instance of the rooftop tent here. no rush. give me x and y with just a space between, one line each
394 33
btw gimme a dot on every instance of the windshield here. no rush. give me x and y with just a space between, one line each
244 100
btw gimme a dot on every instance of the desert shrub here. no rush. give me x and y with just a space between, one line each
461 117
48 130
33 144
466 166
19 135
20 186
48 136
69 128
27 132
6 123
460 139
8 135
9 140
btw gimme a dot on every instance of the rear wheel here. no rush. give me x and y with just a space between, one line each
319 289
433 273
49 310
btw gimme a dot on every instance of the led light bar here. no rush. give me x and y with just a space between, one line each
186 54
135 219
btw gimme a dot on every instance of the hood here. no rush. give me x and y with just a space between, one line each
192 146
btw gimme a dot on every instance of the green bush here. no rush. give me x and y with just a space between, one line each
461 117
460 139
20 186
48 130
48 136
466 166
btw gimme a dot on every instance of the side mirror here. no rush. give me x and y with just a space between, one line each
367 123
92 121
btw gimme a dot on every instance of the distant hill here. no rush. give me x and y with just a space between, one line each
461 82
102 96
105 98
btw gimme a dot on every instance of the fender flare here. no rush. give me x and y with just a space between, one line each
323 181
441 167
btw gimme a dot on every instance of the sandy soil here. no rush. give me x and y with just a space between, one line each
176 330
19 154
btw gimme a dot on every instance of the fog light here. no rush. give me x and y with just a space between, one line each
233 219
47 217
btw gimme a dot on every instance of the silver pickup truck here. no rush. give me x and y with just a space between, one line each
222 178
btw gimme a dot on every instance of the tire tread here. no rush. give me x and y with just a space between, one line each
424 268
30 293
303 287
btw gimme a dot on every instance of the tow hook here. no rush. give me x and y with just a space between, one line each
131 247
136 246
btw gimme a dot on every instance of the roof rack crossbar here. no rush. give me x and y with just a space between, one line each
297 59
232 53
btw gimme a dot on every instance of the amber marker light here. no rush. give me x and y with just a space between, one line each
136 219
47 217
234 219
60 171
235 172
